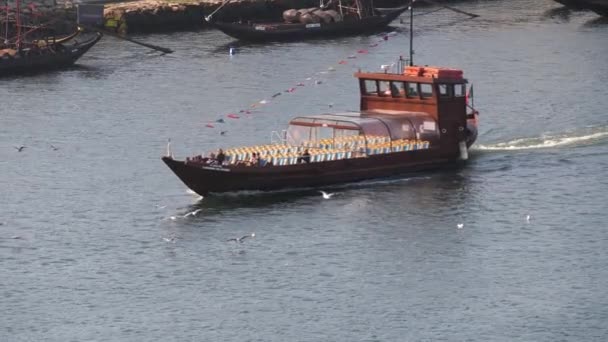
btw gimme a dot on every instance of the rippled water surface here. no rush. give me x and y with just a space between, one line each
83 228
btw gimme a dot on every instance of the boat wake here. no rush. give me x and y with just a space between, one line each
593 136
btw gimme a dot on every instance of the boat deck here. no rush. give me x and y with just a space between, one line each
323 150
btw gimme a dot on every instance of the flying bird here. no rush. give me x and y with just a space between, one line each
193 213
528 218
54 147
20 148
242 238
326 195
171 239
223 132
460 226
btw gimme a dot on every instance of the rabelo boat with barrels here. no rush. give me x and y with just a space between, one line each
330 19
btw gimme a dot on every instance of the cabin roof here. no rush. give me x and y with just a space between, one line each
381 76
359 118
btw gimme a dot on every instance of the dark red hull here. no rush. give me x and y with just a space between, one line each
205 179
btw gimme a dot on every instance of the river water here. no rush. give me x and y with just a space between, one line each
84 254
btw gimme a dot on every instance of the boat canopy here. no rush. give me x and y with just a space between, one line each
405 125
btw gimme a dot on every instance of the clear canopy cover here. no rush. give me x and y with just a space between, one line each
412 125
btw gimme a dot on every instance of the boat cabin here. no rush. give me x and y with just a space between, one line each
438 92
423 108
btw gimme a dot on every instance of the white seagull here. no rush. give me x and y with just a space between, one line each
460 225
326 195
193 213
527 218
242 238
171 239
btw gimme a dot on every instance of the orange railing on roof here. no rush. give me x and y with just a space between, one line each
433 72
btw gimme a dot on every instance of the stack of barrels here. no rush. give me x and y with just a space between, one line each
311 16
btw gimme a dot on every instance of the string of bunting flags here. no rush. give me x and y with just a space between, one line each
246 112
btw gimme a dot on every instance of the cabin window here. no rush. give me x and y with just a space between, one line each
426 90
459 90
412 89
445 90
370 87
397 89
383 88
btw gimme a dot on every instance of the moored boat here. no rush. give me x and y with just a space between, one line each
19 53
598 6
43 55
333 19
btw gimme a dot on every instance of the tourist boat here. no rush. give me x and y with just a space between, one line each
19 55
329 20
598 6
413 120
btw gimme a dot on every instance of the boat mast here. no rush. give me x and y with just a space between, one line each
412 32
18 23
7 18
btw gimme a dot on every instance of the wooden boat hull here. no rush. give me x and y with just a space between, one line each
215 179
598 6
204 179
286 32
63 55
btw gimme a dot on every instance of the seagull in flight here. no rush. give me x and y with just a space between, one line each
193 213
223 132
528 218
326 195
20 148
460 225
171 239
54 147
242 238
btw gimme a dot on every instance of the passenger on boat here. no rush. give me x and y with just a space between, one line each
207 160
305 157
255 160
220 157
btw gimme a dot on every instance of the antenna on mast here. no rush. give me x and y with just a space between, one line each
412 32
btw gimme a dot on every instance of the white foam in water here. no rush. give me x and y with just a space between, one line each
543 142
